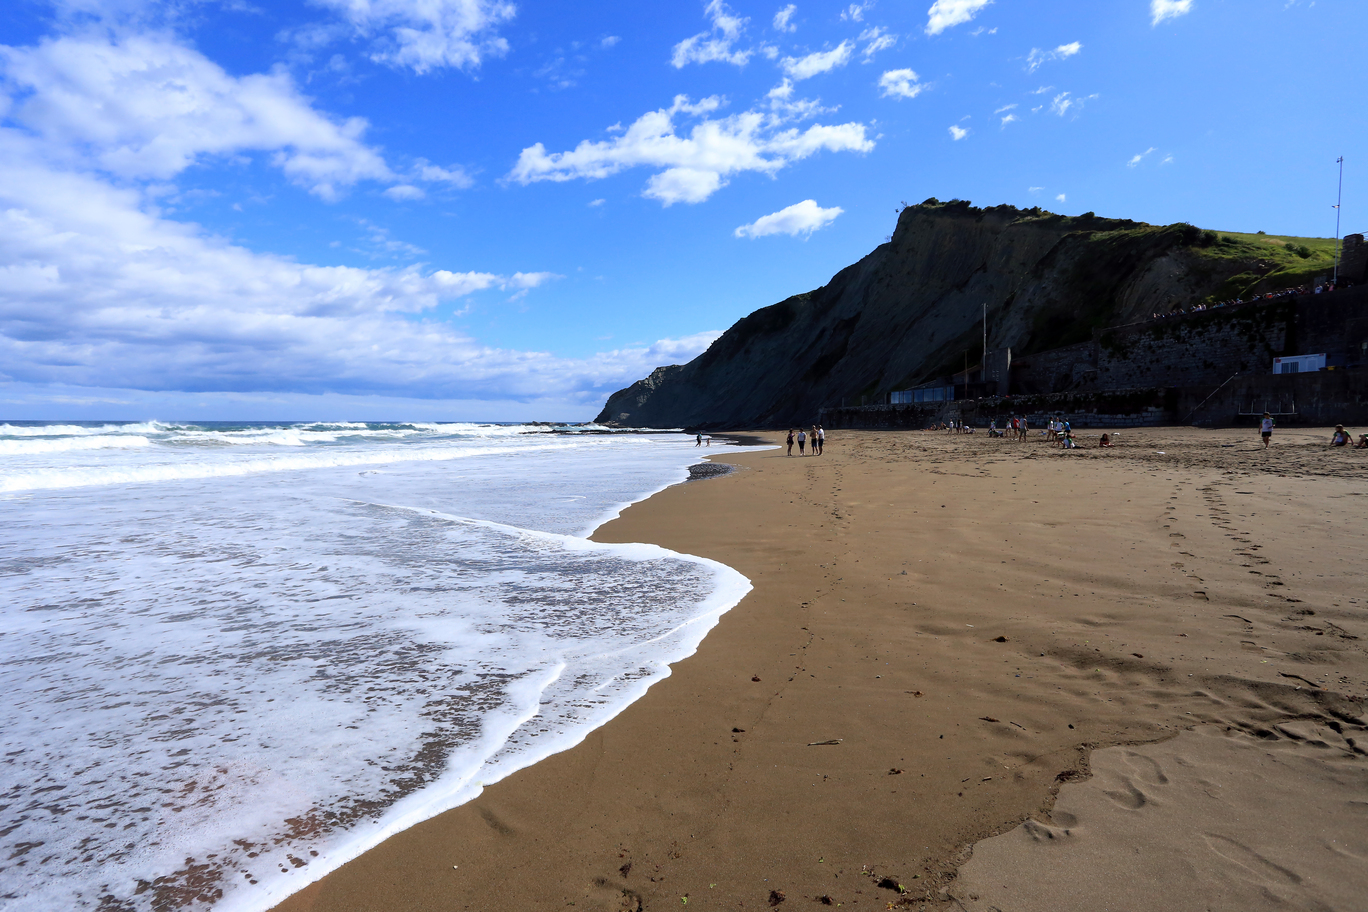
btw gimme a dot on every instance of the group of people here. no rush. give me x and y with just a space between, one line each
1341 437
1057 431
1235 302
816 437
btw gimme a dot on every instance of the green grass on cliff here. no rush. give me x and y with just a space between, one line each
1268 262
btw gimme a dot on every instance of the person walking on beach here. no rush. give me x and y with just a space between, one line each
790 442
1266 428
802 440
699 442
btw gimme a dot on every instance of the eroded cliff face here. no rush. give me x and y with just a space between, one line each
908 312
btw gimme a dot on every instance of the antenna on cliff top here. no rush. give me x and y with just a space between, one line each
1338 200
983 365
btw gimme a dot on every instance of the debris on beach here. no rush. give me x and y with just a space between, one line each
824 743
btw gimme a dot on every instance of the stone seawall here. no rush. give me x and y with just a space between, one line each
1319 399
1205 348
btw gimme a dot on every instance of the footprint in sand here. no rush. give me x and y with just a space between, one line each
1247 858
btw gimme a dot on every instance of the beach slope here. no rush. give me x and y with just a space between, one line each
943 630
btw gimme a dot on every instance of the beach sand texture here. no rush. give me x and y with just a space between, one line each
946 631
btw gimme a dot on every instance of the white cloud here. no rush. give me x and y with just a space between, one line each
879 40
818 62
597 202
958 133
1061 198
146 107
1037 57
800 218
783 20
425 34
404 192
1004 108
900 84
696 165
1168 160
609 41
855 12
983 31
716 45
95 290
1065 101
1041 91
1010 118
1034 189
1168 9
945 14
456 176
1139 157
783 104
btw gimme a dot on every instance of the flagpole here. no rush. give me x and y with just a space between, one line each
1339 199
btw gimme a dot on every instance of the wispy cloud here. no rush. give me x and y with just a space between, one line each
1005 108
900 84
697 165
855 12
945 14
717 44
879 40
958 133
1065 102
423 35
1010 118
800 218
819 62
783 20
1037 57
1168 9
1139 157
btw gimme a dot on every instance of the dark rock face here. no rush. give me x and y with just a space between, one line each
909 311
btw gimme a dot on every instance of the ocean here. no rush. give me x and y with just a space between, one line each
235 656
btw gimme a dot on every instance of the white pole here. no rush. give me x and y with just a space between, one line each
1338 200
983 371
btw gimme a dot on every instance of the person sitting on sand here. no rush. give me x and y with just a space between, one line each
1105 441
790 442
1362 442
1340 437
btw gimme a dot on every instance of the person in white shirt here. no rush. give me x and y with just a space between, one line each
1266 428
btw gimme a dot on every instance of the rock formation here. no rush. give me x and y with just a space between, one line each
912 311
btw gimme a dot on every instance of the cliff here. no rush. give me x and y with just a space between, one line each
908 312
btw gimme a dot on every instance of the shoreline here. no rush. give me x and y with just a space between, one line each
719 788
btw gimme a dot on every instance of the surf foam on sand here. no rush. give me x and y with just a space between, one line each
229 671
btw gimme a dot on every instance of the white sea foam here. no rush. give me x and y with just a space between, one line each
32 446
266 661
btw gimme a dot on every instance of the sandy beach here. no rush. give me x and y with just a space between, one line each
1139 674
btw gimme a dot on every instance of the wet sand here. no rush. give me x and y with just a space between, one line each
943 631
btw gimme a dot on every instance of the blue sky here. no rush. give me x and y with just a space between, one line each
488 210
